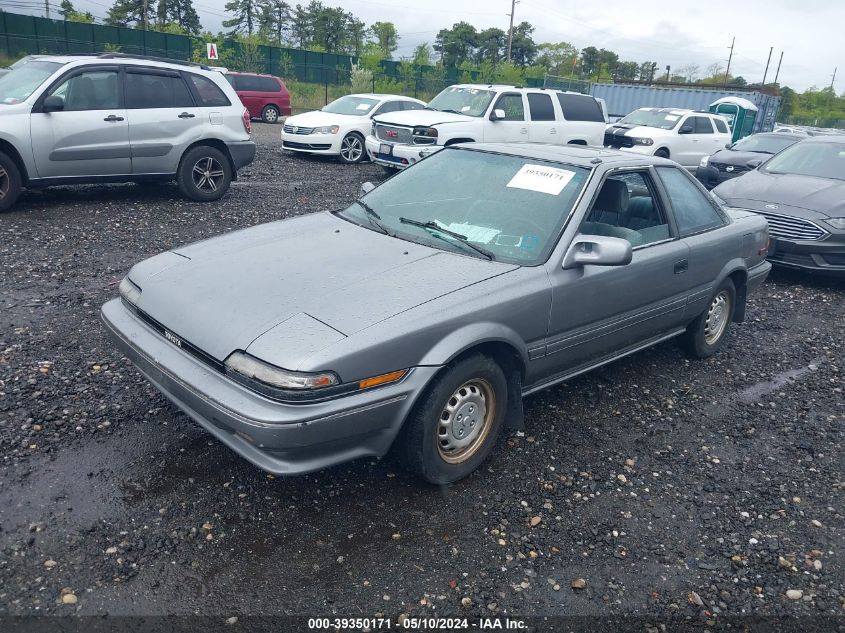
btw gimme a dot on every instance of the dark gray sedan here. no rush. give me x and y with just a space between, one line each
418 317
741 157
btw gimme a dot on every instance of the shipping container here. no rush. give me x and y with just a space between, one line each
622 99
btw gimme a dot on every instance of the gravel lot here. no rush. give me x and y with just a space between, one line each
657 486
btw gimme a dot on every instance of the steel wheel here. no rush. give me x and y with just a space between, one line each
207 174
351 148
717 317
465 421
5 183
271 115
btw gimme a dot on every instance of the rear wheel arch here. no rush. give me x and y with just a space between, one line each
577 141
216 144
740 281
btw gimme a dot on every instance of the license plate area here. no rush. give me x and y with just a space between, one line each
385 149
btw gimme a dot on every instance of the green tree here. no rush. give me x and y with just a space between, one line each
180 13
66 8
491 45
523 47
386 37
138 13
422 55
590 62
558 59
300 27
274 20
245 19
646 71
626 71
357 35
456 45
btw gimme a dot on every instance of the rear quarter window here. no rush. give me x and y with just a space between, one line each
721 126
580 107
694 211
207 92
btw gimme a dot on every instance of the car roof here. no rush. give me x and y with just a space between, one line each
111 58
581 155
379 95
827 138
786 135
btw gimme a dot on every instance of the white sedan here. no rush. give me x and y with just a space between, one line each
340 127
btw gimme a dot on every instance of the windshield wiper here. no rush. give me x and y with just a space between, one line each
452 111
462 239
374 218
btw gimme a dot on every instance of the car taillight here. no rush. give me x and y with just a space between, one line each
245 117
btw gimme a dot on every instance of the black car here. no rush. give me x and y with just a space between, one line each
801 192
742 156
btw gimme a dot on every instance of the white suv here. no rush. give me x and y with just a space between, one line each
484 113
116 118
685 136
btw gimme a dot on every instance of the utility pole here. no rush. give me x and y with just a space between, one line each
730 57
668 68
778 70
833 78
47 8
510 30
144 17
766 72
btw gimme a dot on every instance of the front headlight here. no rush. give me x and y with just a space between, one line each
704 162
252 368
637 140
129 291
837 223
326 129
428 132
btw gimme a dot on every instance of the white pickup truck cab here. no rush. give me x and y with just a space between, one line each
469 113
685 136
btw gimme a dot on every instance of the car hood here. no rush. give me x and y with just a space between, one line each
287 289
318 118
625 129
818 198
423 117
730 157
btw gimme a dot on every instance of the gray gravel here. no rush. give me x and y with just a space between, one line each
658 486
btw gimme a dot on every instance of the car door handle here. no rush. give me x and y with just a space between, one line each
187 115
681 266
113 117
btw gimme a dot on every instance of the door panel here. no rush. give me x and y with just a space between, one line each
544 119
90 136
513 128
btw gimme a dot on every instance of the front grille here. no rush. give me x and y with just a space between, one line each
734 169
614 140
293 145
791 228
393 134
294 129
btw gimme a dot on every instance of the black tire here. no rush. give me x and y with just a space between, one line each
270 114
699 340
352 149
437 448
10 182
198 182
662 152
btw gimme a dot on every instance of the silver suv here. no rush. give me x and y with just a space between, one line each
118 118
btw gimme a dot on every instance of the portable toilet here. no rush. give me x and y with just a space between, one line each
739 112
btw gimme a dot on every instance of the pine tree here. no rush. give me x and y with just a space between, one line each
66 9
138 13
180 13
274 19
246 17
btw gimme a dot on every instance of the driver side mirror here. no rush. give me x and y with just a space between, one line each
53 103
498 115
729 145
366 187
597 250
687 129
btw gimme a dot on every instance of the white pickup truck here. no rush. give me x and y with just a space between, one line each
469 113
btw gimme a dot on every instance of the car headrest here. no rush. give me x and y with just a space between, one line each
641 207
613 196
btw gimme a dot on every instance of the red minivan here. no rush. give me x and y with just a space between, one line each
265 96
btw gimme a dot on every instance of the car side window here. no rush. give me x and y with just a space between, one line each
208 93
694 212
512 105
411 105
390 106
628 207
721 126
700 125
580 107
268 84
153 90
90 90
540 106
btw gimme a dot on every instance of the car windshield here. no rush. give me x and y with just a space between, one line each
462 100
22 81
356 106
823 160
511 208
653 118
763 144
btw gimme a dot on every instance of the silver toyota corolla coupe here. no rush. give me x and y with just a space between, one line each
418 317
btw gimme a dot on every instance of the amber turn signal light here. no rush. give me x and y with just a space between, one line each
383 379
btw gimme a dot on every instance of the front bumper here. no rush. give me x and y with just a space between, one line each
819 256
327 144
242 153
284 439
401 156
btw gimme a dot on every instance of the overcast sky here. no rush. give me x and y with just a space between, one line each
676 33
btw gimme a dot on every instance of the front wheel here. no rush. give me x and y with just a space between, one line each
706 335
270 114
204 174
662 152
454 427
352 148
10 182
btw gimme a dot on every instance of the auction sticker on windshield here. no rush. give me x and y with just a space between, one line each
540 178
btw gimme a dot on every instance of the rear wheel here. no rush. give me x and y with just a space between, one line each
352 148
270 114
453 429
10 182
204 174
707 334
